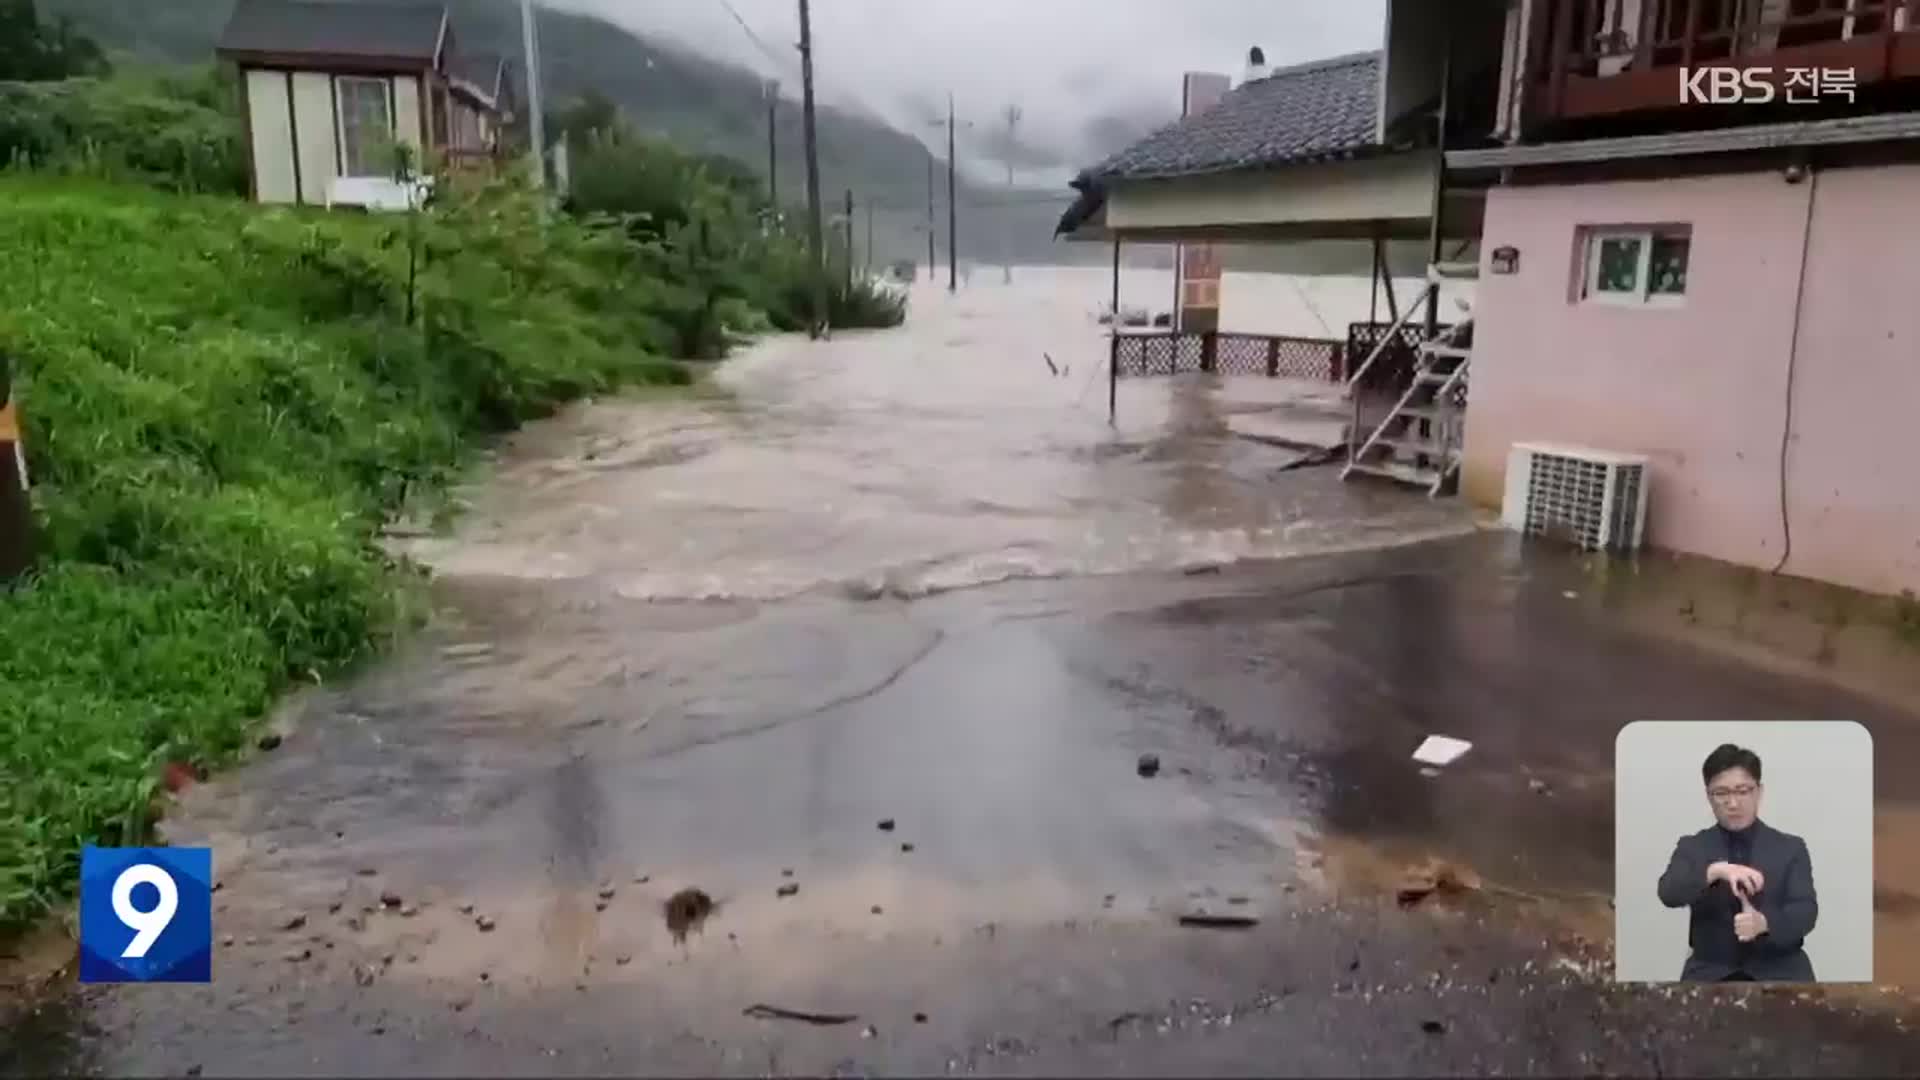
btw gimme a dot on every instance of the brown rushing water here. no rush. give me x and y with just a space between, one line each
941 455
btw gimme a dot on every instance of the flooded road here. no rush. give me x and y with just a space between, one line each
867 649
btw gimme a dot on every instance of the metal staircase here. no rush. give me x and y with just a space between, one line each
1420 440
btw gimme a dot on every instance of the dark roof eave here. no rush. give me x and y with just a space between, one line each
282 58
1372 150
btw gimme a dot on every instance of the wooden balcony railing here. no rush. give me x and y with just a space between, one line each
1611 56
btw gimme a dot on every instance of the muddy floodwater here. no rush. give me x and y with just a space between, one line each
799 727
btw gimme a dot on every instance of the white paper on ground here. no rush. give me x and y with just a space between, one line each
1441 750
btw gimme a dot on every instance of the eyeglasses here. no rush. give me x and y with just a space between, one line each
1727 794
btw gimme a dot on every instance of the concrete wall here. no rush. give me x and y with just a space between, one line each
271 124
316 133
1392 187
1702 388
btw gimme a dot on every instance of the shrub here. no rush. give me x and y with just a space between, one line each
222 403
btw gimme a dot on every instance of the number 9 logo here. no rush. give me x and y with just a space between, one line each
148 925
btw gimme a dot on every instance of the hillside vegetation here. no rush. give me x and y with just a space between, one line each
667 92
222 403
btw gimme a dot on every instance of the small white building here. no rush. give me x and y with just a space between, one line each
331 87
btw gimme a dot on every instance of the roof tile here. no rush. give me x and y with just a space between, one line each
391 29
1327 108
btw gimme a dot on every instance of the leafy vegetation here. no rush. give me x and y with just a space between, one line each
32 49
174 130
710 224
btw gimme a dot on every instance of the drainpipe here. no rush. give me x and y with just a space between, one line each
16 511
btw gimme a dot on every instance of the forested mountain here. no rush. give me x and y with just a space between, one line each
702 104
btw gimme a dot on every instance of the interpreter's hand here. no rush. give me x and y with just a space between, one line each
1750 923
1744 880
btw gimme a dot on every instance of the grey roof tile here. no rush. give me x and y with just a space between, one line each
1324 109
393 29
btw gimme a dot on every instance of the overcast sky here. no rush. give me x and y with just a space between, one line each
1084 72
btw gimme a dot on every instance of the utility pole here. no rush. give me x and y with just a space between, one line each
869 262
537 120
1006 237
849 240
773 148
953 207
933 266
816 242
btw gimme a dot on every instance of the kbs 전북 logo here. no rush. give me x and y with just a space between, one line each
146 914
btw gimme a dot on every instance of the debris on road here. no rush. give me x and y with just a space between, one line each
775 1012
467 651
1211 921
908 846
294 922
1441 750
294 956
1433 1027
366 871
876 909
788 872
1148 765
1539 786
868 1032
607 892
270 741
886 825
389 898
1424 879
789 889
466 909
485 923
687 911
641 879
919 1018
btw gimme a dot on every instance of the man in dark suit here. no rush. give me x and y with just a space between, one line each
1749 886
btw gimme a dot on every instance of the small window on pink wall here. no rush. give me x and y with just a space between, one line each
1633 265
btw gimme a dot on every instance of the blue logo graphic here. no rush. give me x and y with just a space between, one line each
146 915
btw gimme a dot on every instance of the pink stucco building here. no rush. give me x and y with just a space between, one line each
1699 235
1777 392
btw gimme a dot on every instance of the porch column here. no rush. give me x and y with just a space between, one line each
1113 339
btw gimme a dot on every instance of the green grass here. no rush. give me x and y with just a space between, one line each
221 404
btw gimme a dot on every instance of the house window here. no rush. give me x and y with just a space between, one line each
1635 266
366 126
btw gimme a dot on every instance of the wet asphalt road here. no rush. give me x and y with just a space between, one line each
715 645
1033 921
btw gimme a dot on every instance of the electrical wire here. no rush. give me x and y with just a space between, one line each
758 43
1793 361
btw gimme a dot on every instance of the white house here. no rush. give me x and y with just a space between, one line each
331 87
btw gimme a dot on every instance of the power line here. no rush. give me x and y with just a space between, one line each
747 29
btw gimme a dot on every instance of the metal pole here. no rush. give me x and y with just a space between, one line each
1439 182
816 241
849 240
536 119
933 263
773 148
1113 341
953 207
1006 237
